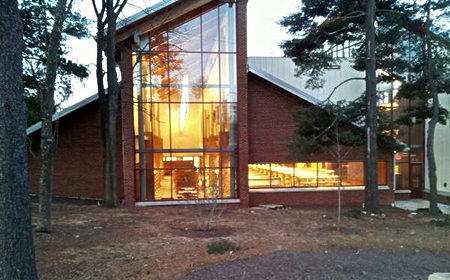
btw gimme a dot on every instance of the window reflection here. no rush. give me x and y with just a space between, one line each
185 37
210 31
227 39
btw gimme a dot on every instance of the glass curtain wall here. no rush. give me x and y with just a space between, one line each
185 108
310 174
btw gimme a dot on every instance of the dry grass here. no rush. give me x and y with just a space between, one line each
90 242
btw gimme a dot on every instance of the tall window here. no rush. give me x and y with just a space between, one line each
185 108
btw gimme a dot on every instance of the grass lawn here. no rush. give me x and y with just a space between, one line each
90 242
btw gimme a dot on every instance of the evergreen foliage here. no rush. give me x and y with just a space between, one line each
37 18
320 128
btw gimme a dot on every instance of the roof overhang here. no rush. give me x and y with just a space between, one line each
155 16
287 87
64 112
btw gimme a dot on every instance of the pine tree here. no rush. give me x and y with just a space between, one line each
38 17
17 258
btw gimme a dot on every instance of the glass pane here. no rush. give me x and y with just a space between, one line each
211 78
160 125
136 124
161 160
258 175
158 42
328 174
187 160
212 186
212 159
228 126
185 78
227 183
144 126
160 93
282 175
186 126
145 93
227 28
305 174
228 77
186 37
211 125
382 173
163 184
402 176
159 69
352 174
210 31
228 159
145 69
186 183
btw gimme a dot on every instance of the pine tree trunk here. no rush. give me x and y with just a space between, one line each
371 148
433 121
47 105
17 260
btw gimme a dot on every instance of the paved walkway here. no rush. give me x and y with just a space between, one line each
414 205
331 265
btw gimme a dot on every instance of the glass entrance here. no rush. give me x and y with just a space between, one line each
185 109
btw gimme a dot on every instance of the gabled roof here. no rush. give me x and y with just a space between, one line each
66 111
274 80
145 12
155 16
266 76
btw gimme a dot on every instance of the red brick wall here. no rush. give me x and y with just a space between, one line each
271 125
78 159
355 197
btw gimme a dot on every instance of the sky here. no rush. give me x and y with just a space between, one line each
264 35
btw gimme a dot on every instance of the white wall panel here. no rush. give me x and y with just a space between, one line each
442 153
284 69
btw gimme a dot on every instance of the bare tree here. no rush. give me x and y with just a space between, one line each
17 260
47 94
106 42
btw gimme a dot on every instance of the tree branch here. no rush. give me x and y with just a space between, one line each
345 81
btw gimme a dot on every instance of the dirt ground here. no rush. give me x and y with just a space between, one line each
91 242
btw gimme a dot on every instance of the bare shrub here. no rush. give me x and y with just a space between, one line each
206 211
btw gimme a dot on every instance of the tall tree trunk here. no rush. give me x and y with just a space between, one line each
47 105
371 148
434 119
103 104
112 101
17 261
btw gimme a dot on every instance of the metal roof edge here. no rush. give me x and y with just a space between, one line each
64 112
297 92
143 13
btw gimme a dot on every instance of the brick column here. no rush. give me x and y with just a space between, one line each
126 104
242 87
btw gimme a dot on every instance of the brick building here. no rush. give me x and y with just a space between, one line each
196 121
